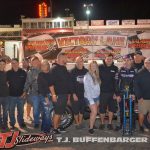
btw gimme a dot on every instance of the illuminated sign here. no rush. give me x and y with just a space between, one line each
43 9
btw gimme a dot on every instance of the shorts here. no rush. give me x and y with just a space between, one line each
145 107
60 105
93 101
78 106
107 101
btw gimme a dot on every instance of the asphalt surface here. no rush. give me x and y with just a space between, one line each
72 133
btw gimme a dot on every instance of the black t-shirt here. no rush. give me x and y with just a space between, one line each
60 79
107 76
16 81
77 76
4 91
44 80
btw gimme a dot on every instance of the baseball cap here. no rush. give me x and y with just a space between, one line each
127 57
147 60
138 53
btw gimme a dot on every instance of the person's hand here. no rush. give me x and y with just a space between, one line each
68 100
133 97
118 98
141 100
23 96
75 98
114 96
54 98
47 101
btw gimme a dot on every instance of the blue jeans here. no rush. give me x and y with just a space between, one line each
46 120
16 101
36 108
4 102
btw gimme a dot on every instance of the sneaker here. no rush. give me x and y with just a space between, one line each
142 129
102 127
36 126
13 128
56 132
110 127
91 131
23 125
95 127
61 130
146 130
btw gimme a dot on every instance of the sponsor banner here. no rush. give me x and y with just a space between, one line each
42 45
81 23
142 44
143 21
91 52
90 46
97 22
112 22
89 40
128 22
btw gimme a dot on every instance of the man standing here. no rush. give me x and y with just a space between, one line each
31 87
4 93
107 75
78 102
16 79
26 68
125 83
142 91
60 88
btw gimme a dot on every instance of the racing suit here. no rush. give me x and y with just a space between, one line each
125 82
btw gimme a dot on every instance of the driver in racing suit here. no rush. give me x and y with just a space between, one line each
124 82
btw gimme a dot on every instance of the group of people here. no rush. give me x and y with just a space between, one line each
100 87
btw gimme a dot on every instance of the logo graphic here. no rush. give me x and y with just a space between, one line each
12 139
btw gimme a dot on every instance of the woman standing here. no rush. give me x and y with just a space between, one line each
44 92
92 92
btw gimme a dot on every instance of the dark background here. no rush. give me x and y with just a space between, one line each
11 10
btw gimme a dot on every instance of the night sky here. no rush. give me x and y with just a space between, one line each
10 10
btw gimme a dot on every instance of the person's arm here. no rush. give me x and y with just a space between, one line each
7 77
51 85
117 83
27 85
53 93
28 82
137 87
72 85
117 86
88 87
